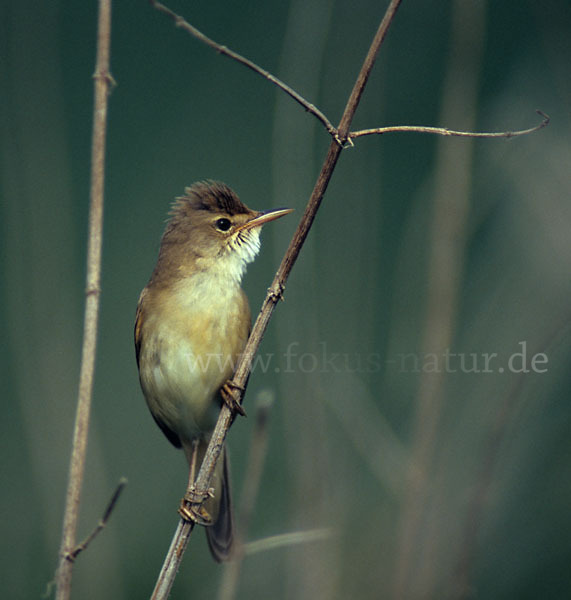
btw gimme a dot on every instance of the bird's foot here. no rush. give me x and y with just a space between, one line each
194 514
191 508
227 393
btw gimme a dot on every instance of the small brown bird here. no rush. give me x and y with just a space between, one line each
193 321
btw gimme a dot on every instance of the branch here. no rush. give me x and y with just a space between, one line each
186 26
103 81
102 522
444 131
182 534
288 539
311 108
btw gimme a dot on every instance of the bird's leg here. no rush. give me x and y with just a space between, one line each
227 393
192 471
191 508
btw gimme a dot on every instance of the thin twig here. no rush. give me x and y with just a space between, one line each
275 292
311 108
288 539
102 522
102 85
444 131
186 26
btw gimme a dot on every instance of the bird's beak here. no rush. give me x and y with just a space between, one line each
264 217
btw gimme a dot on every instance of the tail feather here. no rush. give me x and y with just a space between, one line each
220 534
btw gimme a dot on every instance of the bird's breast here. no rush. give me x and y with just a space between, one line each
192 338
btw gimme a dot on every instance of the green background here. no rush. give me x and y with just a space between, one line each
491 518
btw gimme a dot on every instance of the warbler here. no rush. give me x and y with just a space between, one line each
192 323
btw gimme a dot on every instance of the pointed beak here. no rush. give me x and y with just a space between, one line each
265 217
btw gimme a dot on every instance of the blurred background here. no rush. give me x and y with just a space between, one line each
420 362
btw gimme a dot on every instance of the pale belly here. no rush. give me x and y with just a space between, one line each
184 362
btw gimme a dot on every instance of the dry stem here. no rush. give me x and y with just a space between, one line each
102 84
450 132
337 133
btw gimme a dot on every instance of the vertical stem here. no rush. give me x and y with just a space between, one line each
102 80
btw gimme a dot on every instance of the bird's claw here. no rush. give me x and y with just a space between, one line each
191 508
226 391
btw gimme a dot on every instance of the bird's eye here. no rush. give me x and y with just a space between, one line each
223 224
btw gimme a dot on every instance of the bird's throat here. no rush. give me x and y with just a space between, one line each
229 265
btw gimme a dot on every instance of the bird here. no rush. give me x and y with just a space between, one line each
192 322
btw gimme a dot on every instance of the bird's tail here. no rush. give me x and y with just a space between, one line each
220 534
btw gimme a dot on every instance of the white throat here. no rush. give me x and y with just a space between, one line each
240 250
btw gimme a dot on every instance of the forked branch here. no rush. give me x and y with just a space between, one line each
337 133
